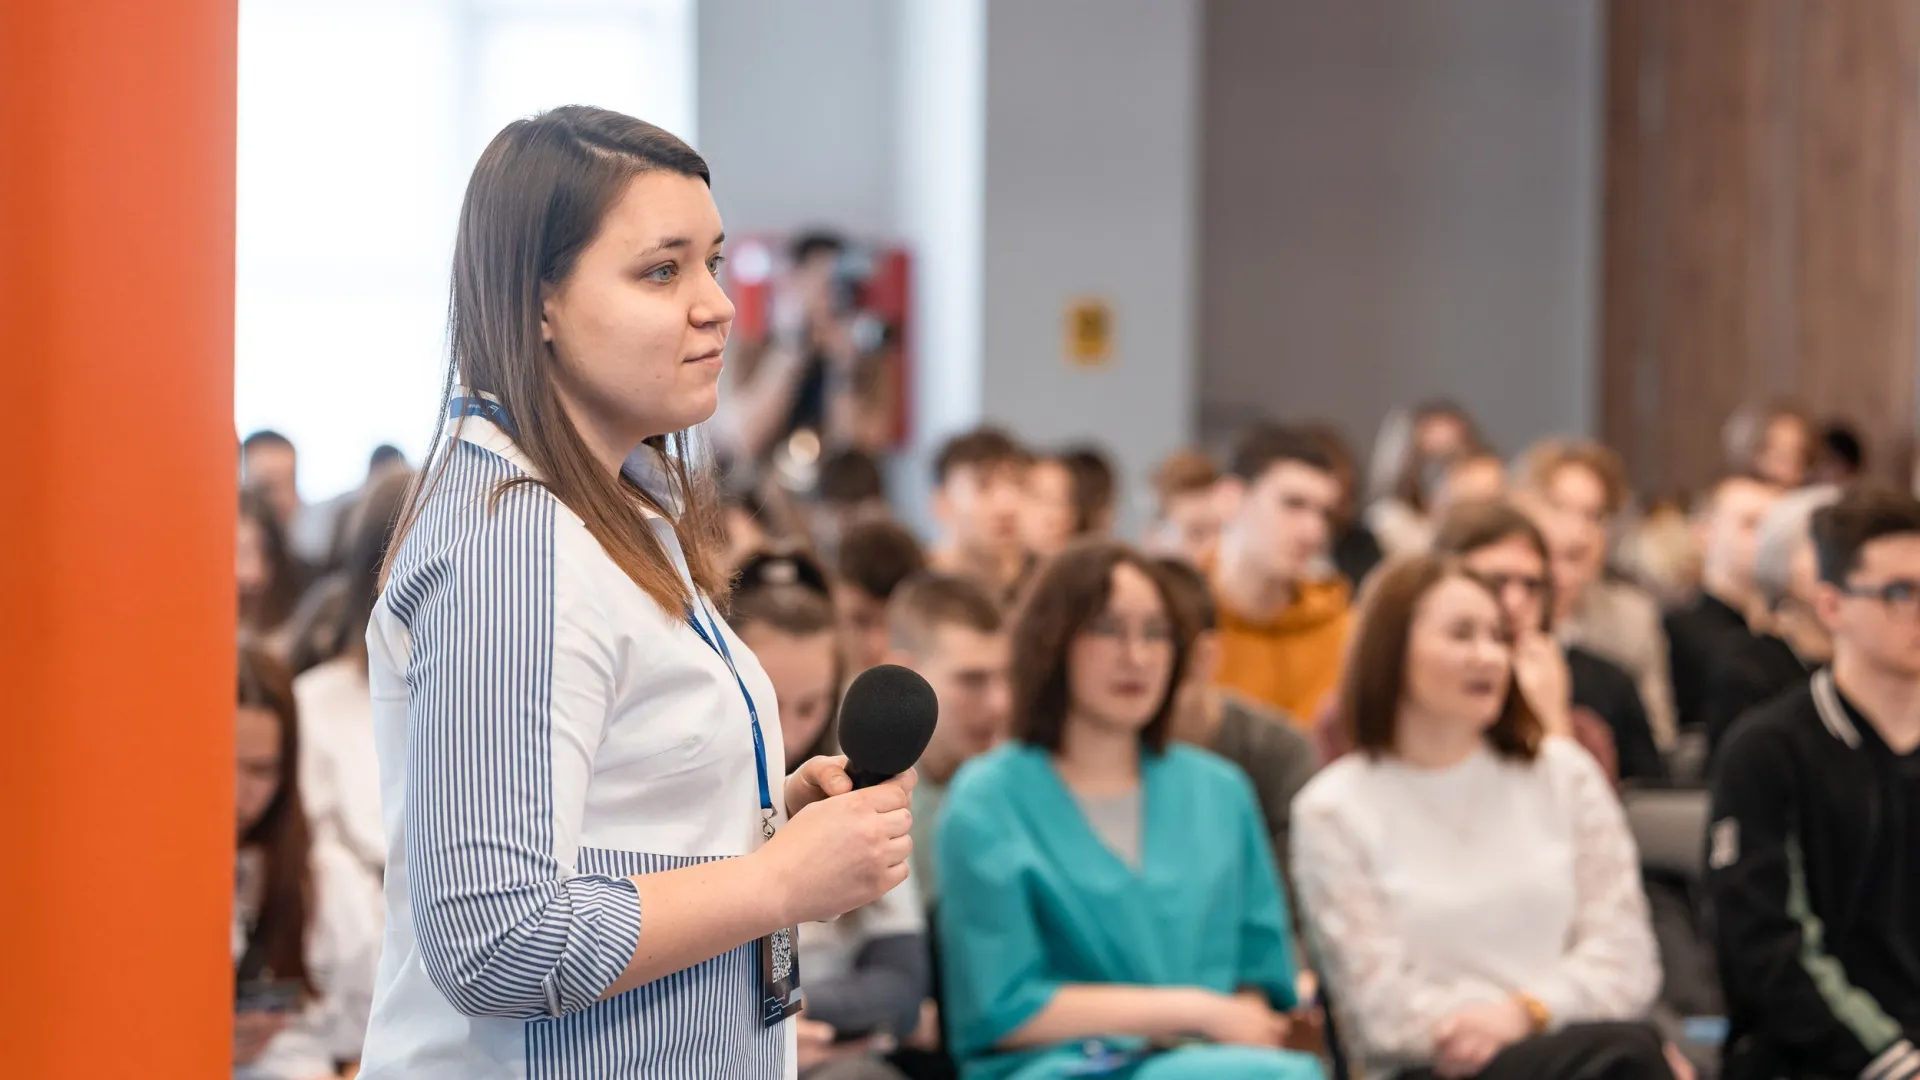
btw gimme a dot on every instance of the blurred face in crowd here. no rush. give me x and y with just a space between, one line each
1285 518
1047 520
1191 526
273 468
1440 436
1119 666
1784 450
257 746
636 330
1478 478
252 570
1578 490
1459 660
1513 570
1732 530
1574 550
968 671
802 671
1877 614
813 283
980 505
863 626
745 535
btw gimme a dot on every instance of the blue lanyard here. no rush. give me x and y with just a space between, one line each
485 408
717 641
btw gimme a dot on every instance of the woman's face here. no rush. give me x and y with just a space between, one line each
257 742
802 669
636 330
1576 490
1515 572
251 568
1119 666
1783 453
1439 437
1459 661
1046 520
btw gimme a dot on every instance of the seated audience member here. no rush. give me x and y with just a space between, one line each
849 489
979 492
268 580
1070 495
1574 692
339 772
1267 746
1813 857
1771 442
1840 458
1468 884
305 921
270 465
1411 452
1186 514
1355 551
749 527
1475 476
1581 488
1661 554
947 629
866 972
1281 631
875 556
1717 621
1794 642
1109 902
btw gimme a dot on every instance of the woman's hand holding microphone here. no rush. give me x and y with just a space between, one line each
842 848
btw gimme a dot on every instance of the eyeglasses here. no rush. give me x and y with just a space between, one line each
1118 631
1900 597
1498 583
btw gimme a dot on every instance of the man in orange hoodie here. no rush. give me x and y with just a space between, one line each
1283 629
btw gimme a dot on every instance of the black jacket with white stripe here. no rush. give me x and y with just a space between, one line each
1808 865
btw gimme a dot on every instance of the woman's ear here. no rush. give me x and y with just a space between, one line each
546 313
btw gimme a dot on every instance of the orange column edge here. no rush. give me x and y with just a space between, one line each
116 533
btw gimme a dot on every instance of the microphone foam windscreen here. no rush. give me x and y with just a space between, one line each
886 720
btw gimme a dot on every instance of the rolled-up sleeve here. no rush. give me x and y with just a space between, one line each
508 692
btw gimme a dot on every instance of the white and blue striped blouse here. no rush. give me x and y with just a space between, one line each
544 730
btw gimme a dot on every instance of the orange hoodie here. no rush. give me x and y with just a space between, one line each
1292 661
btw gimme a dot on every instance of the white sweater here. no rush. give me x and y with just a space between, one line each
1427 890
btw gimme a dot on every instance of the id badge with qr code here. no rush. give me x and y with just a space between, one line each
779 977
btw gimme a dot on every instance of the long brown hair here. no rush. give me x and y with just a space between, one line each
789 591
1072 590
1376 673
535 201
279 938
266 611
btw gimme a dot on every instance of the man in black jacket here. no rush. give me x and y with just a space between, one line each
1716 622
1814 852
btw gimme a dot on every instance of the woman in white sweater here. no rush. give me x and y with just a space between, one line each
1468 884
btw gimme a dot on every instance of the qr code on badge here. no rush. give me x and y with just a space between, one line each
782 954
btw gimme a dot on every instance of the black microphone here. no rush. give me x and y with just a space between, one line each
885 722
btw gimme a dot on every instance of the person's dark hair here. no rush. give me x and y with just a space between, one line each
1842 530
787 591
265 437
849 478
1190 588
369 531
263 613
1413 473
1093 486
383 455
1265 445
982 448
1374 682
815 242
278 942
1841 444
1072 590
926 602
1471 526
536 200
876 555
1745 433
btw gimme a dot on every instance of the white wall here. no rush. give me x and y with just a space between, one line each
796 113
1092 163
1401 200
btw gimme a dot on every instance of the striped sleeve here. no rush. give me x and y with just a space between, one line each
508 691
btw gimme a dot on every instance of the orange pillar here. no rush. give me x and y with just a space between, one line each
116 534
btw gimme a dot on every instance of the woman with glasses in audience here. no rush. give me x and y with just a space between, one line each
1109 901
305 921
1468 883
865 972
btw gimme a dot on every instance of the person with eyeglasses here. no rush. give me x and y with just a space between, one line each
1813 853
1109 902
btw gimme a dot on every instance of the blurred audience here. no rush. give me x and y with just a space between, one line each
1412 451
269 581
306 931
1354 550
1281 630
270 465
1468 882
1772 442
1186 514
1719 619
1661 554
875 557
979 495
848 490
1070 494
1840 457
1068 948
1473 476
1812 854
